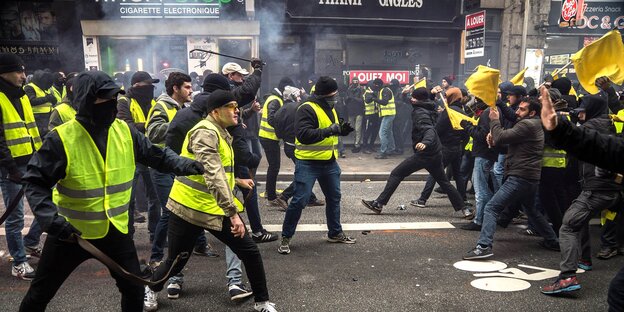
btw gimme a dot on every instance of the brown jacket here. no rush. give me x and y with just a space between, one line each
526 147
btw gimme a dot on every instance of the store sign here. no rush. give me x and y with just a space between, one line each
534 61
199 61
386 75
597 17
91 56
475 35
400 10
166 8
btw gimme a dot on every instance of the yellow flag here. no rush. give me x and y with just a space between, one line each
421 84
518 79
456 117
484 84
603 57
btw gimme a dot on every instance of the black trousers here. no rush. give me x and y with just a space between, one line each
272 152
450 157
553 195
615 297
59 259
288 193
371 123
182 236
433 164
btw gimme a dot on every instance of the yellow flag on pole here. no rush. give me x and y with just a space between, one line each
456 117
518 79
603 57
484 84
421 84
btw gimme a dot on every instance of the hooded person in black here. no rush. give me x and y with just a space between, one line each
601 190
42 105
56 119
95 94
427 155
564 85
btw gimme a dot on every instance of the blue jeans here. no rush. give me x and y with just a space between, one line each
163 183
234 274
251 202
385 135
15 222
514 190
328 177
480 174
499 171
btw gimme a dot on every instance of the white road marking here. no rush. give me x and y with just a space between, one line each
368 226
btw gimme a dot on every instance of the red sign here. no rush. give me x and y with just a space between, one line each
386 75
568 10
475 20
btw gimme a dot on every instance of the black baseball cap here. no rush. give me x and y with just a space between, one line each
142 76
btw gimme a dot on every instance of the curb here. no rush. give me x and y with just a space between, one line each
350 176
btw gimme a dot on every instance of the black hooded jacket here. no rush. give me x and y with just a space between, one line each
49 164
307 125
424 116
450 138
480 148
7 162
184 120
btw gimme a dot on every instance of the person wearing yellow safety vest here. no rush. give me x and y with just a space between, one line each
316 150
595 144
179 88
270 142
19 139
58 86
206 202
91 161
383 97
41 99
371 120
355 109
66 109
133 108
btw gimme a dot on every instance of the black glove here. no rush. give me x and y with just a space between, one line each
194 167
257 64
345 128
464 123
334 129
65 234
51 98
15 176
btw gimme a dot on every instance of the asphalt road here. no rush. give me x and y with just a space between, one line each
386 270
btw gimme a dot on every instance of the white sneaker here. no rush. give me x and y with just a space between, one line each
150 301
23 271
265 306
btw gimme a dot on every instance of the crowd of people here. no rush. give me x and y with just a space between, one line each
92 152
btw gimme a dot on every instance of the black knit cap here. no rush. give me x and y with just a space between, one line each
285 81
421 94
214 82
325 85
10 62
219 98
448 79
517 91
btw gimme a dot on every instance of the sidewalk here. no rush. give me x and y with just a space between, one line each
355 167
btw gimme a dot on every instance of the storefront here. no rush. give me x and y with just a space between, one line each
157 36
567 32
336 37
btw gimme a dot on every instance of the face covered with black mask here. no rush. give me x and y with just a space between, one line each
143 93
104 113
95 95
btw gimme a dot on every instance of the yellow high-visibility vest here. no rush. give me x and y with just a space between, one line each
20 134
58 95
96 193
266 131
44 108
65 111
388 109
553 158
169 109
324 149
619 125
138 116
369 107
192 191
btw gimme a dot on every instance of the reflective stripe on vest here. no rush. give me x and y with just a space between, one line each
388 109
44 108
619 125
554 158
324 149
20 134
169 109
369 107
138 116
66 112
96 192
192 191
469 145
266 131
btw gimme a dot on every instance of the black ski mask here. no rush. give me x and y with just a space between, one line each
104 113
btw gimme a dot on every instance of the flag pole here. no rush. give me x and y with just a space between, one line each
556 72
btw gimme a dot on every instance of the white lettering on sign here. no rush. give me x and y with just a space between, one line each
401 3
474 21
341 2
386 75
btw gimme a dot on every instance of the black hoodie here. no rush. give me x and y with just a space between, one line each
307 124
424 116
48 165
